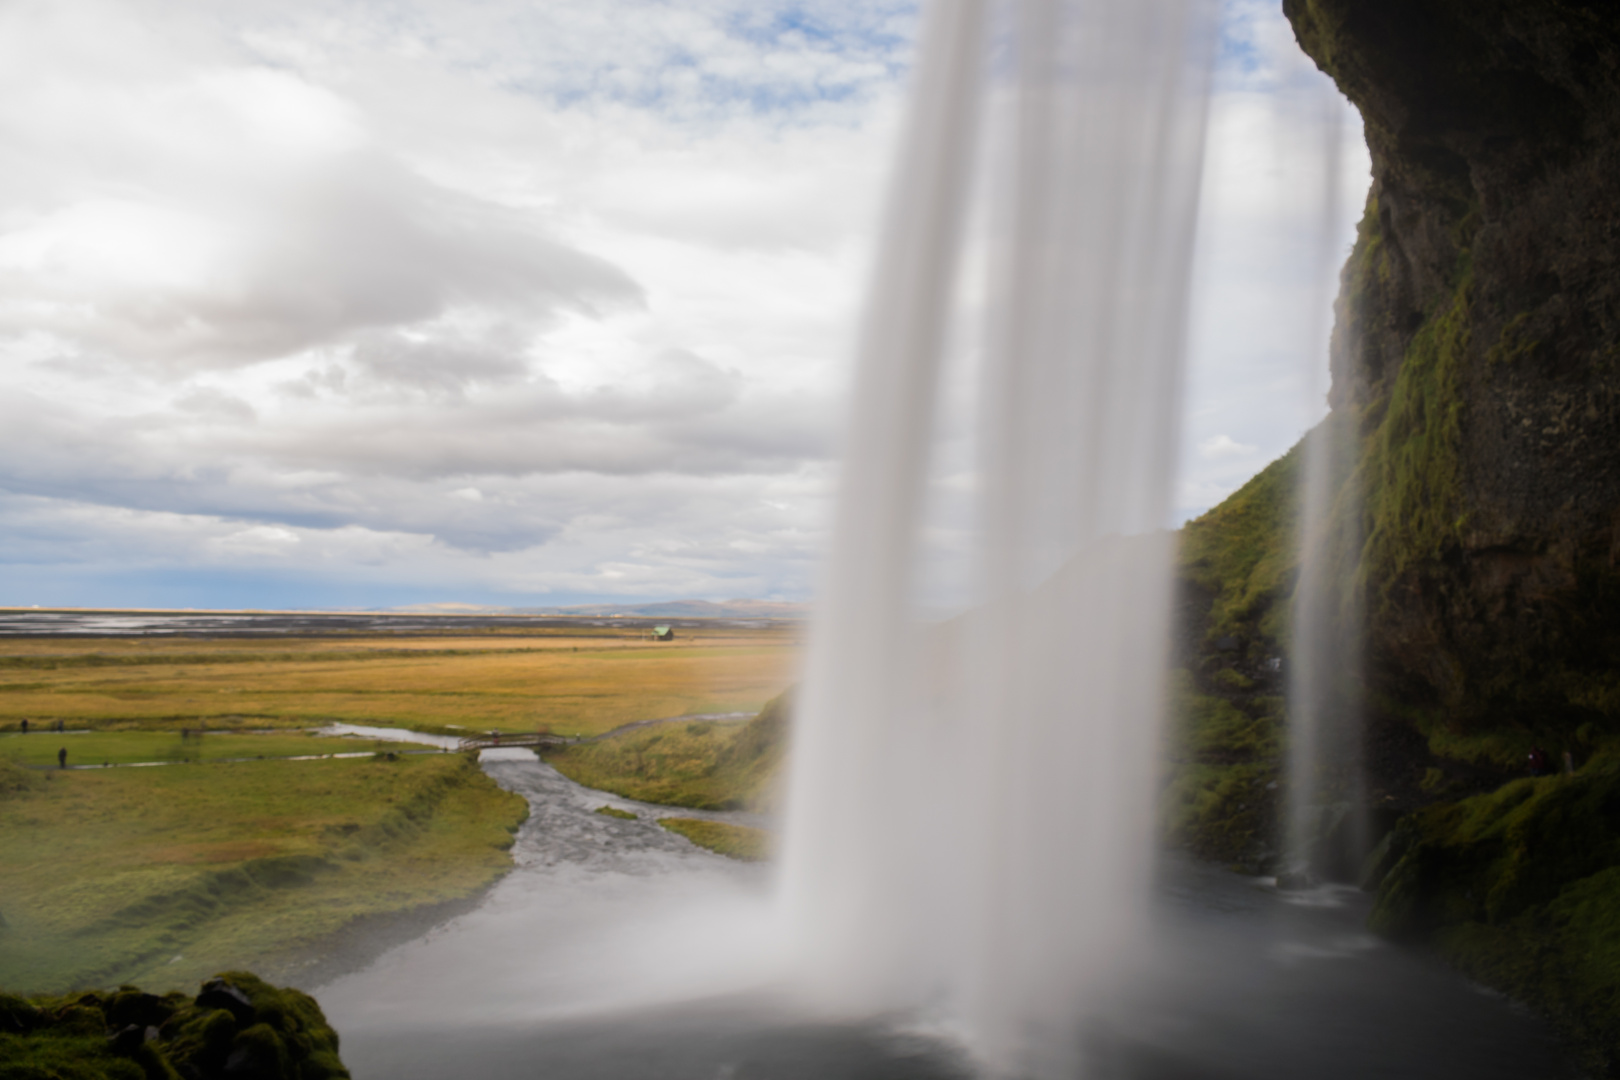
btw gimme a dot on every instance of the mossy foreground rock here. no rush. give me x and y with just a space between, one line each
237 1027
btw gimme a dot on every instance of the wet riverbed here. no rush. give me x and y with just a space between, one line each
617 949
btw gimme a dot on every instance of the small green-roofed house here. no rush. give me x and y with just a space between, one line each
663 633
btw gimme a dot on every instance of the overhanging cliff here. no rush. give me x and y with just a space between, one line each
1475 536
1477 350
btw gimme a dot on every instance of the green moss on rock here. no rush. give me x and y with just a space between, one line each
1474 376
237 1026
1519 888
1413 504
1219 799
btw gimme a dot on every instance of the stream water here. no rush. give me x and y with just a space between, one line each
617 949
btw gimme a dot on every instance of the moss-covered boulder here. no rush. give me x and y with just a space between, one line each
237 1026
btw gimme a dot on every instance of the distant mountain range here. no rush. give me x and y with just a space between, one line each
667 609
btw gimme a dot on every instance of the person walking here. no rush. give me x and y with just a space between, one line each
61 758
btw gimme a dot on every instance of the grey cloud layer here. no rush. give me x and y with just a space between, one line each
534 297
363 245
388 467
285 285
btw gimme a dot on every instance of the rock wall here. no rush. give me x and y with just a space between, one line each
1476 519
1477 352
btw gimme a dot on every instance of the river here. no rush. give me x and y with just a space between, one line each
616 950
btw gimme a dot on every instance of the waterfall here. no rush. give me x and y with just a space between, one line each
1325 821
970 805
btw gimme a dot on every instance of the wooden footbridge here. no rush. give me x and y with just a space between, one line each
533 740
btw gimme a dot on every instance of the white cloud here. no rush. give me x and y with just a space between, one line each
1224 446
519 298
495 301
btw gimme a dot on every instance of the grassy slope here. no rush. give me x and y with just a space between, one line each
584 683
111 875
1237 563
1242 553
732 841
701 764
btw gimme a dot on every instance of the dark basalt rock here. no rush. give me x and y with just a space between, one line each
127 1039
18 1016
219 994
131 1006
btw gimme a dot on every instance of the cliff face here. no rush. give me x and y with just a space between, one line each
1477 352
1475 426
1476 520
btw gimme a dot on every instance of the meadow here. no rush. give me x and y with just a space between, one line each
165 875
126 747
573 681
235 856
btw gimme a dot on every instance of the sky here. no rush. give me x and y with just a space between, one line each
371 304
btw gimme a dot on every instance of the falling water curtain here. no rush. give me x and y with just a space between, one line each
983 852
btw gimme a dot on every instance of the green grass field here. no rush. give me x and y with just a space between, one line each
732 841
124 747
165 875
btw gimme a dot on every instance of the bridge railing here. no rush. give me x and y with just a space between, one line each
533 740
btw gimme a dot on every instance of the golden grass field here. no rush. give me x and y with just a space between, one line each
572 682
